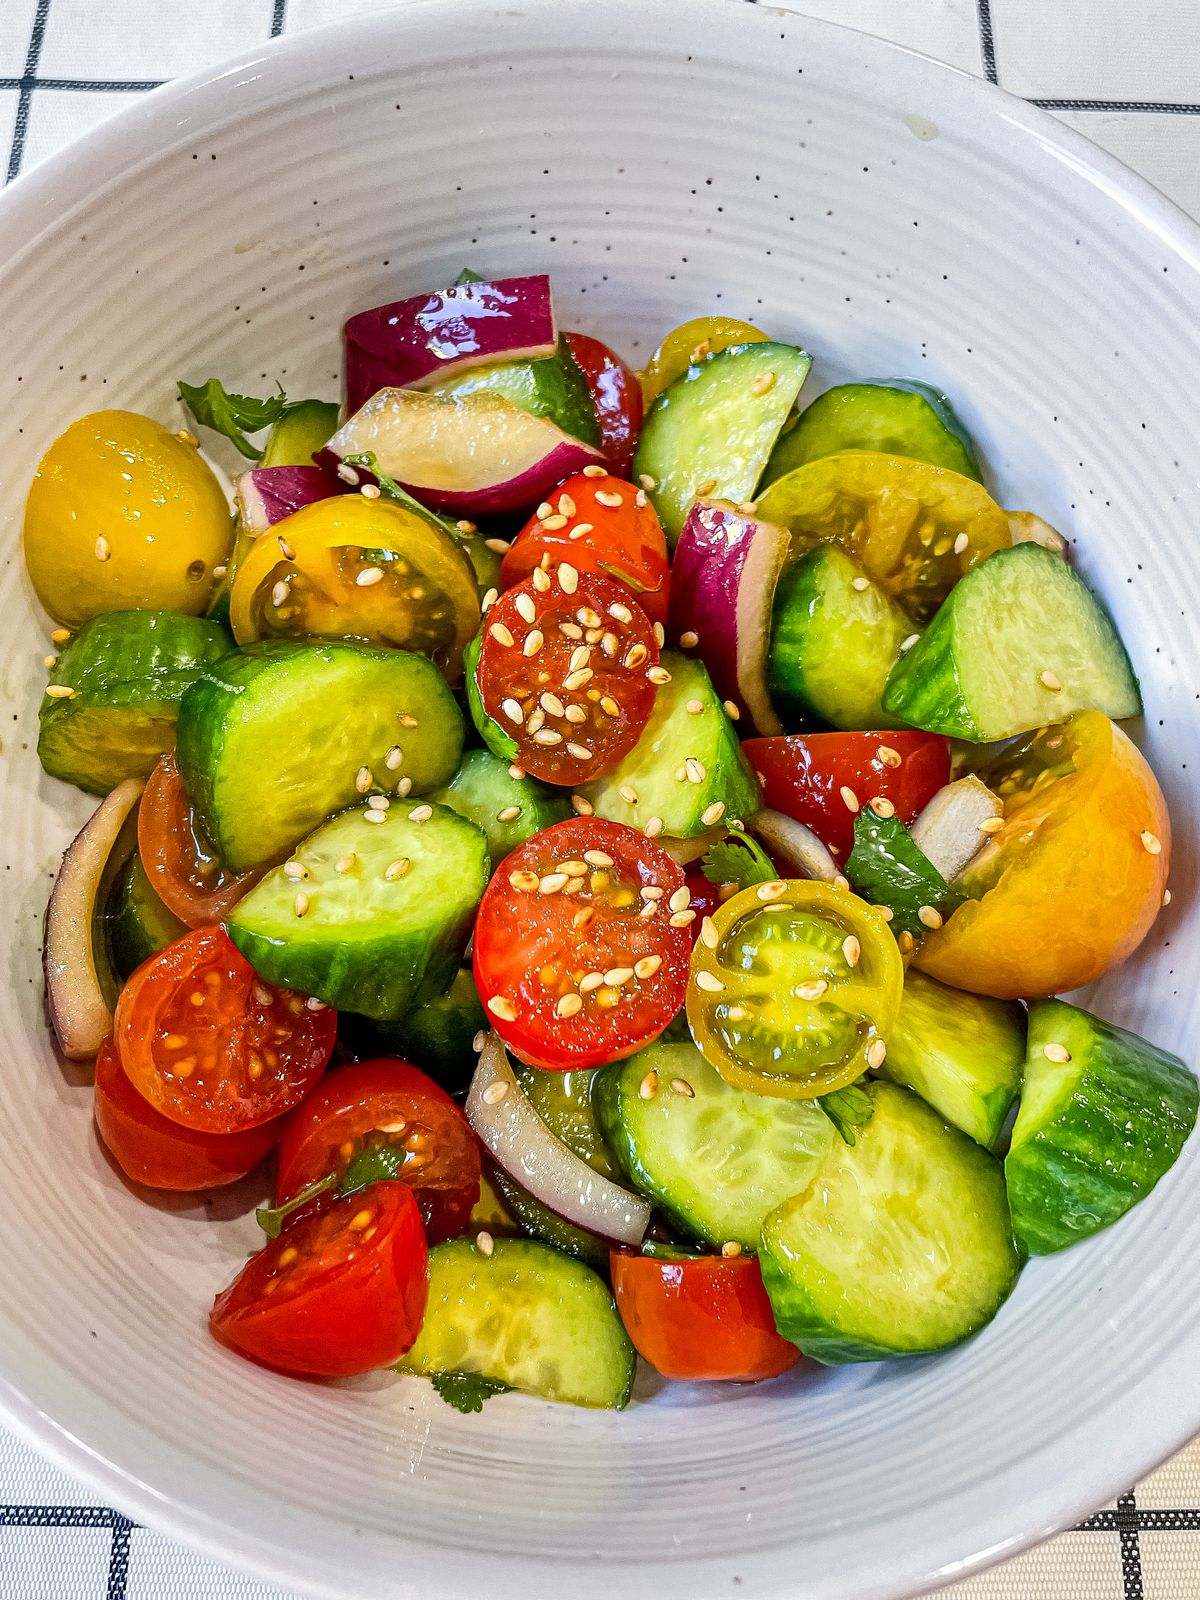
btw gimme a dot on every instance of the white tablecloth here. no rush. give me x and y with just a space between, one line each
1124 72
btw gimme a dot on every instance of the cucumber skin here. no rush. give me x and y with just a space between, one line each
1121 1129
482 787
436 1036
129 670
537 1221
136 923
502 745
302 430
922 424
552 387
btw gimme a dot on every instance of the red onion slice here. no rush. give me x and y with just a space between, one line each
950 830
266 495
793 847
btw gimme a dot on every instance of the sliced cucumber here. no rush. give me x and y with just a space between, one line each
127 671
1095 1131
483 790
687 768
564 1102
713 430
962 1053
902 1244
1019 642
901 417
717 1160
539 1222
302 430
887 868
553 387
436 1036
525 1316
136 923
360 929
274 739
835 636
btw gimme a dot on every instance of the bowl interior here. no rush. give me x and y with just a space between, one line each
896 218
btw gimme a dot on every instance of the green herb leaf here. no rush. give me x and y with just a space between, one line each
888 869
234 415
469 275
737 859
395 491
849 1109
661 1250
272 1218
374 1163
466 1391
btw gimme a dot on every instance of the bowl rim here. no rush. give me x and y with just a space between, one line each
39 200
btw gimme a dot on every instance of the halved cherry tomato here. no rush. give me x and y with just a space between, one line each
822 779
706 897
386 1102
624 541
581 944
1072 882
691 342
707 1317
352 568
154 1151
212 1046
565 669
794 988
187 874
341 1292
616 398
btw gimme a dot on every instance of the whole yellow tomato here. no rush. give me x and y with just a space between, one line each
691 342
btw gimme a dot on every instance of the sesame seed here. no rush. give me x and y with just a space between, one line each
568 578
1056 1052
709 982
731 1249
49 661
595 471
1049 680
960 543
369 576
508 814
590 981
484 1242
580 529
566 505
628 793
295 870
540 581
688 640
574 869
464 526
876 1053
636 654
658 675
502 1008
812 990
888 755
907 644
763 383
905 942
618 975
404 788
393 758
370 491
407 720
1166 899
553 523
647 966
885 912
344 863
494 1092
534 640
547 737
498 547
279 593
851 950
610 498
648 1087
300 904
60 636
536 718
544 510
621 612
706 487
732 711
841 881
581 806
501 635
682 919
552 704
397 869
103 549
748 507
60 691
651 892
420 813
771 891
568 1006
378 802
849 798
1152 843
860 584
929 916
489 599
694 769
681 899
373 816
525 606
654 826
991 825
347 474
683 1087
523 882
882 806
313 1004
552 882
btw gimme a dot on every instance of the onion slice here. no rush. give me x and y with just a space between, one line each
1026 527
723 576
79 1012
524 1146
266 495
948 831
793 847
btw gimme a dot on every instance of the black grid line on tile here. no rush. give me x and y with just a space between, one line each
278 18
25 84
1175 108
987 41
85 85
118 1560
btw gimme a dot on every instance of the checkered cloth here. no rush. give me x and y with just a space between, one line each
65 65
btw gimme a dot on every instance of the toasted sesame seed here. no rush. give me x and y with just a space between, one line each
860 583
1151 842
991 825
582 806
851 950
610 498
420 813
60 635
508 814
546 736
849 798
929 916
907 644
654 826
961 542
525 606
553 523
888 755
812 990
1049 680
279 593
494 1092
407 720
300 904
347 474
732 711
489 599
706 487
373 816
369 576
774 890
580 529
658 675
523 882
568 577
648 1087
763 383
709 982
345 863
393 758
496 546
296 870
552 882
534 640
876 1053
628 793
882 806
635 655
60 691
378 802
618 975
694 769
503 1008
1056 1052
501 635
103 549
540 580
688 640
404 788
1166 899
681 899
569 1005
731 1249
484 1242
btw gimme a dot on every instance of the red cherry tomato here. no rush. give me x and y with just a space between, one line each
703 1318
582 944
566 670
706 897
623 541
160 1154
386 1102
210 1045
822 779
341 1292
616 398
186 873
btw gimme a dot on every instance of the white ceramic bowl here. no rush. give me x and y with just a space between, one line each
661 160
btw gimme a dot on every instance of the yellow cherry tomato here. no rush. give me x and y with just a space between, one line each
794 988
123 515
353 568
691 342
915 528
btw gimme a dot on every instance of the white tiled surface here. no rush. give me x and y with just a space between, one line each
1108 51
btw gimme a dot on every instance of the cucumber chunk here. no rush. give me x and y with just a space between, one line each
656 770
835 636
302 430
1096 1131
718 1160
962 1053
539 1222
128 671
1020 642
902 1244
351 934
136 923
272 740
483 790
901 417
551 387
564 1102
436 1036
713 430
525 1316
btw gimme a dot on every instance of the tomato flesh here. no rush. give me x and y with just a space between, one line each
210 1045
616 398
794 988
341 1292
386 1102
566 670
187 874
623 540
152 1150
581 944
823 779
700 1319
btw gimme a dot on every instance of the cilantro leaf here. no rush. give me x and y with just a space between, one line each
887 868
374 1163
230 414
272 1218
849 1109
466 1391
737 859
469 275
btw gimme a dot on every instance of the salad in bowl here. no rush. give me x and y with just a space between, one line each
613 843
